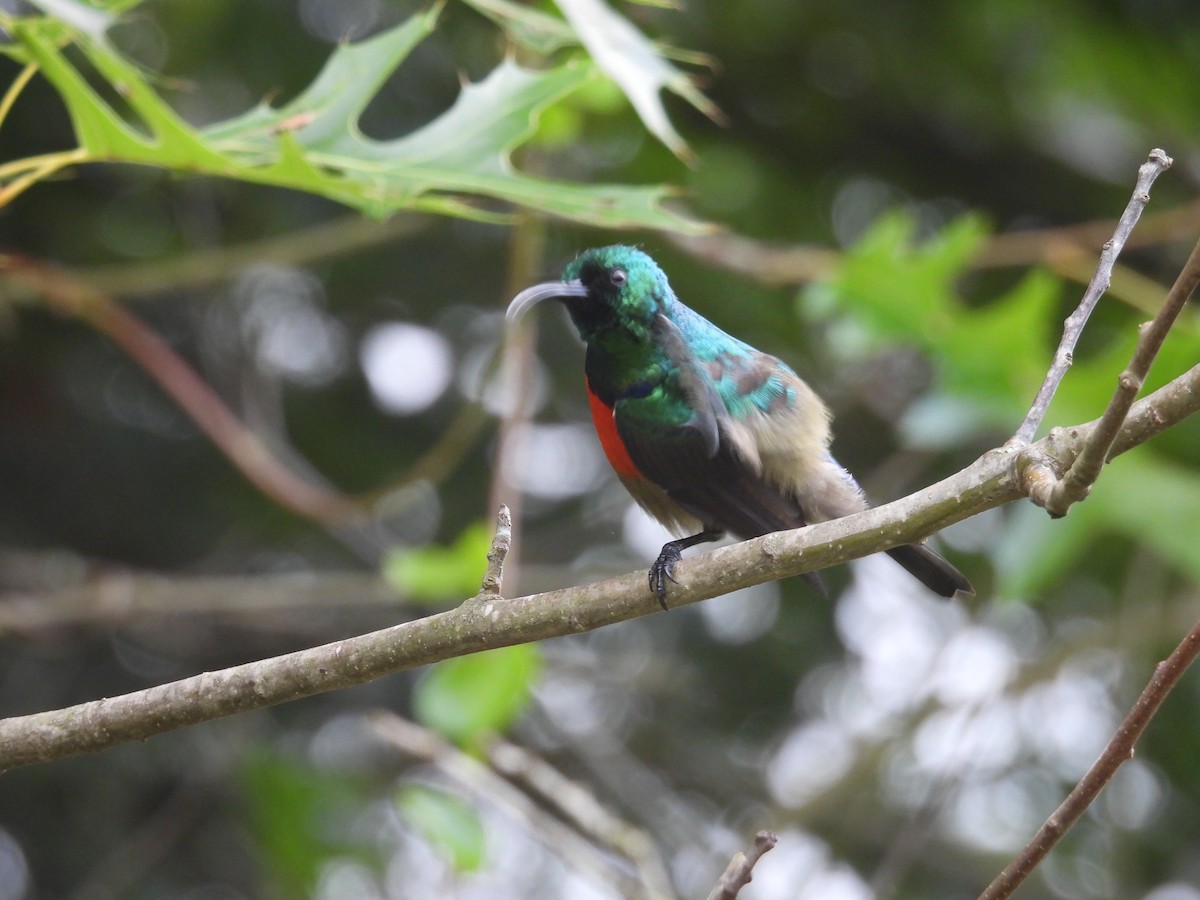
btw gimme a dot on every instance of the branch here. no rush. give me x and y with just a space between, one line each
1119 749
238 443
493 578
578 805
483 622
102 596
1086 468
739 871
1157 163
777 264
73 295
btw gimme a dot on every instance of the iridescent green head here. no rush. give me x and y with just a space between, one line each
615 290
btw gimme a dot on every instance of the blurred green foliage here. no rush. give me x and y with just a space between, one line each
473 697
298 814
448 822
440 574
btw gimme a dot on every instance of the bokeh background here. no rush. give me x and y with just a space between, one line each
900 746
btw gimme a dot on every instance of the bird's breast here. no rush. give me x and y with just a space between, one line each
606 430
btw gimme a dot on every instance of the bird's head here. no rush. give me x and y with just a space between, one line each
607 290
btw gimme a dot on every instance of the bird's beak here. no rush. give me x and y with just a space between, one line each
548 290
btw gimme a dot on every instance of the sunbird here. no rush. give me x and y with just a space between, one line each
708 434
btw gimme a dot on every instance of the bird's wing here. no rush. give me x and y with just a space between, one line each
697 388
681 438
780 427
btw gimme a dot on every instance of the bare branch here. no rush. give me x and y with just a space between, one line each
1171 403
1086 468
739 872
1155 165
1119 749
105 596
493 578
1061 249
483 622
1040 466
310 496
238 443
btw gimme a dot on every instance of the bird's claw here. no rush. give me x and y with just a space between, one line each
662 571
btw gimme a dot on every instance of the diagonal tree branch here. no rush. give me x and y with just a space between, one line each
487 621
1083 473
480 777
1119 750
310 497
1157 163
194 396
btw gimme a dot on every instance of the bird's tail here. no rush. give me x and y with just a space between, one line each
932 571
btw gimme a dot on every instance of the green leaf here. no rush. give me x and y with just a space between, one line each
1140 496
436 574
314 144
992 356
88 18
888 264
635 63
1151 501
448 823
470 697
529 27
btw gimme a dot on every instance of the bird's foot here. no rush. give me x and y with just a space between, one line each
663 570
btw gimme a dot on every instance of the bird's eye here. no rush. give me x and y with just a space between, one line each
618 277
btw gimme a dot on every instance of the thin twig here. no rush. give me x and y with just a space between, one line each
14 90
37 169
488 785
1084 471
1118 751
740 870
483 623
578 805
1146 420
493 579
516 371
1157 163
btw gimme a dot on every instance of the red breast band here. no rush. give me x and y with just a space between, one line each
606 430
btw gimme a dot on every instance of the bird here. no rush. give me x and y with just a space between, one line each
708 434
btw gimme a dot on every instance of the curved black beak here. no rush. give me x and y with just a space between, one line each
547 290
